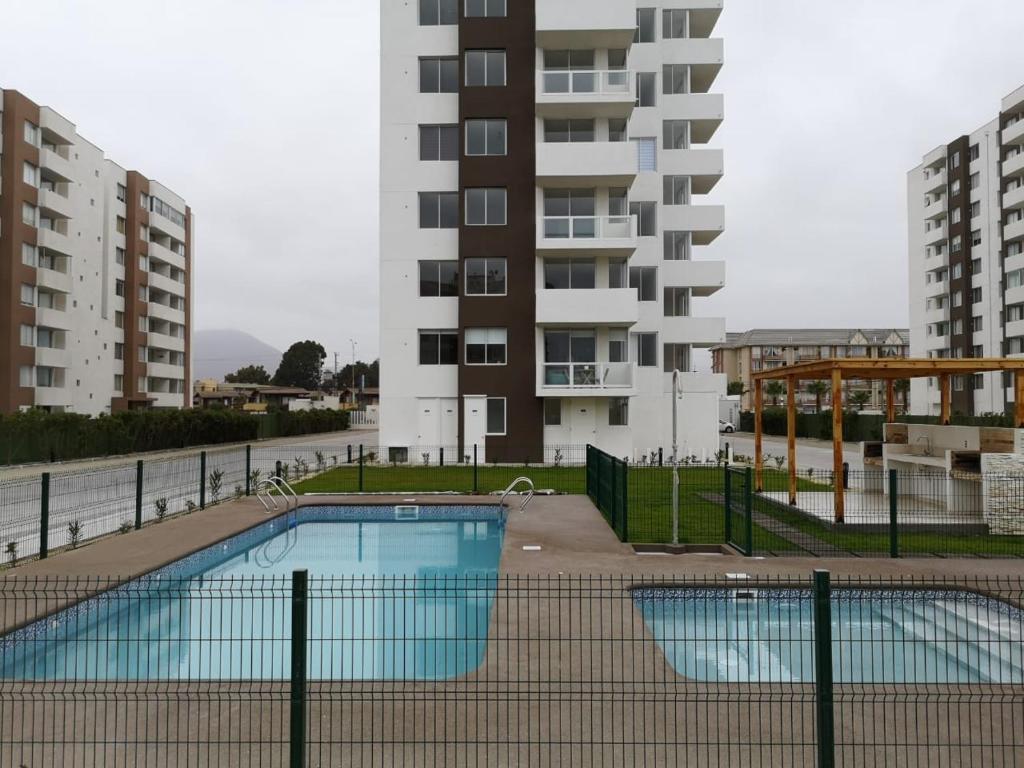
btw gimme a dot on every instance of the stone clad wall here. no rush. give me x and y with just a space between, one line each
1003 492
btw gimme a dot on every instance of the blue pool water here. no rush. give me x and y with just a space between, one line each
924 636
388 598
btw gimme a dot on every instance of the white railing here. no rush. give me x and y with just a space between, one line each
589 227
588 376
362 418
616 81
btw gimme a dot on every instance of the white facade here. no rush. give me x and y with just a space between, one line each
624 147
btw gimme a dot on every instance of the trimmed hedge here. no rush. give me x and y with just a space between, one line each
857 427
36 435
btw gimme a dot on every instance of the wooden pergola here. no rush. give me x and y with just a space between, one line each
868 369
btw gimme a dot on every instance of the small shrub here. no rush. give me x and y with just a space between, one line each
254 478
779 461
426 458
238 491
557 458
161 509
284 471
215 480
654 458
190 506
125 527
75 532
12 551
334 461
321 463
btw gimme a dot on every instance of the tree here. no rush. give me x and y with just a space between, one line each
301 365
735 388
366 375
903 387
249 374
775 390
818 389
860 398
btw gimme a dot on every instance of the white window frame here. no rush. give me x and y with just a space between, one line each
486 337
485 260
486 53
487 218
487 10
487 150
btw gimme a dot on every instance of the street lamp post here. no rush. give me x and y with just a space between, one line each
675 459
353 343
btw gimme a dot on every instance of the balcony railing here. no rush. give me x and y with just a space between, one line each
587 81
589 227
588 375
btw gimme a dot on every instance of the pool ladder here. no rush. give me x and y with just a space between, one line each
511 487
265 493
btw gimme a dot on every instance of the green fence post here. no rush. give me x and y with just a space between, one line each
360 467
476 486
202 479
728 505
138 494
440 456
297 730
44 516
625 501
825 717
613 506
894 534
748 511
248 470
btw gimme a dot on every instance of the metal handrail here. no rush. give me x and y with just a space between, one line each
286 492
510 488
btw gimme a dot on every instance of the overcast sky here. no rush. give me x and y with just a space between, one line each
263 114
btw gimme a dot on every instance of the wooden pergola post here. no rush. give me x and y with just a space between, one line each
758 410
837 440
944 398
791 384
890 401
1018 398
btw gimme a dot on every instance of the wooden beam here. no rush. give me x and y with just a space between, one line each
837 441
758 411
890 401
944 382
1018 399
791 385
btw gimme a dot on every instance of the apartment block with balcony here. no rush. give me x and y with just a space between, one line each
544 166
965 204
761 349
96 262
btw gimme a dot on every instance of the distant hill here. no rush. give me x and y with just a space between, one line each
219 352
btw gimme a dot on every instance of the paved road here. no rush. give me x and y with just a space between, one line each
809 453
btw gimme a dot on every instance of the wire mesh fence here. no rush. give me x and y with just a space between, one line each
485 670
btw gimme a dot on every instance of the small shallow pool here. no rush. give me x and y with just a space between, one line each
392 594
878 636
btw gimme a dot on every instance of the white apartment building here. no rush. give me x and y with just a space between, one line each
543 171
965 206
95 267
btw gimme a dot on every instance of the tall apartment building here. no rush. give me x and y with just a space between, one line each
965 206
95 271
764 349
543 163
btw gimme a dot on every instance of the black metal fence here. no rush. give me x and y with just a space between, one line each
608 488
482 671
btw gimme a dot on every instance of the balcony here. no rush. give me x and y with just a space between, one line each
164 312
597 306
163 341
1013 134
697 331
702 277
54 281
585 24
705 111
165 371
586 379
165 254
587 164
1014 328
54 240
935 235
1014 231
569 235
1014 166
159 224
56 163
703 166
936 209
704 56
52 201
56 127
937 289
586 93
936 315
706 222
52 318
52 397
51 357
156 280
935 182
1014 199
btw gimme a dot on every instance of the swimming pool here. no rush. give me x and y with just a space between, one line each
878 636
400 594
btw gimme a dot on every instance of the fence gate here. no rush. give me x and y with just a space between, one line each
739 520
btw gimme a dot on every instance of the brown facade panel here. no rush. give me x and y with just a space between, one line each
187 392
134 278
960 344
13 273
516 241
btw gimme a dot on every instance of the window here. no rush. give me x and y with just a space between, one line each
485 9
143 324
26 376
956 215
645 25
646 218
27 336
973 153
439 210
647 154
552 412
30 174
31 134
955 160
118 382
439 142
956 244
140 384
45 377
974 181
569 213
957 271
958 327
677 246
976 295
119 288
119 255
618 345
560 131
571 274
958 298
675 78
954 188
645 280
142 353
122 193
122 225
677 357
673 23
28 214
28 295
28 255
439 75
143 232
118 319
496 415
485 206
439 348
975 266
485 68
975 209
676 189
618 274
618 411
143 295
677 302
486 137
977 323
976 238
570 347
645 89
439 278
675 134
647 349
436 12
616 129
485 277
486 346
978 379
118 350
143 263
618 201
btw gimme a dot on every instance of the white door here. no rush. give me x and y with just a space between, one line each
428 421
449 414
582 422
